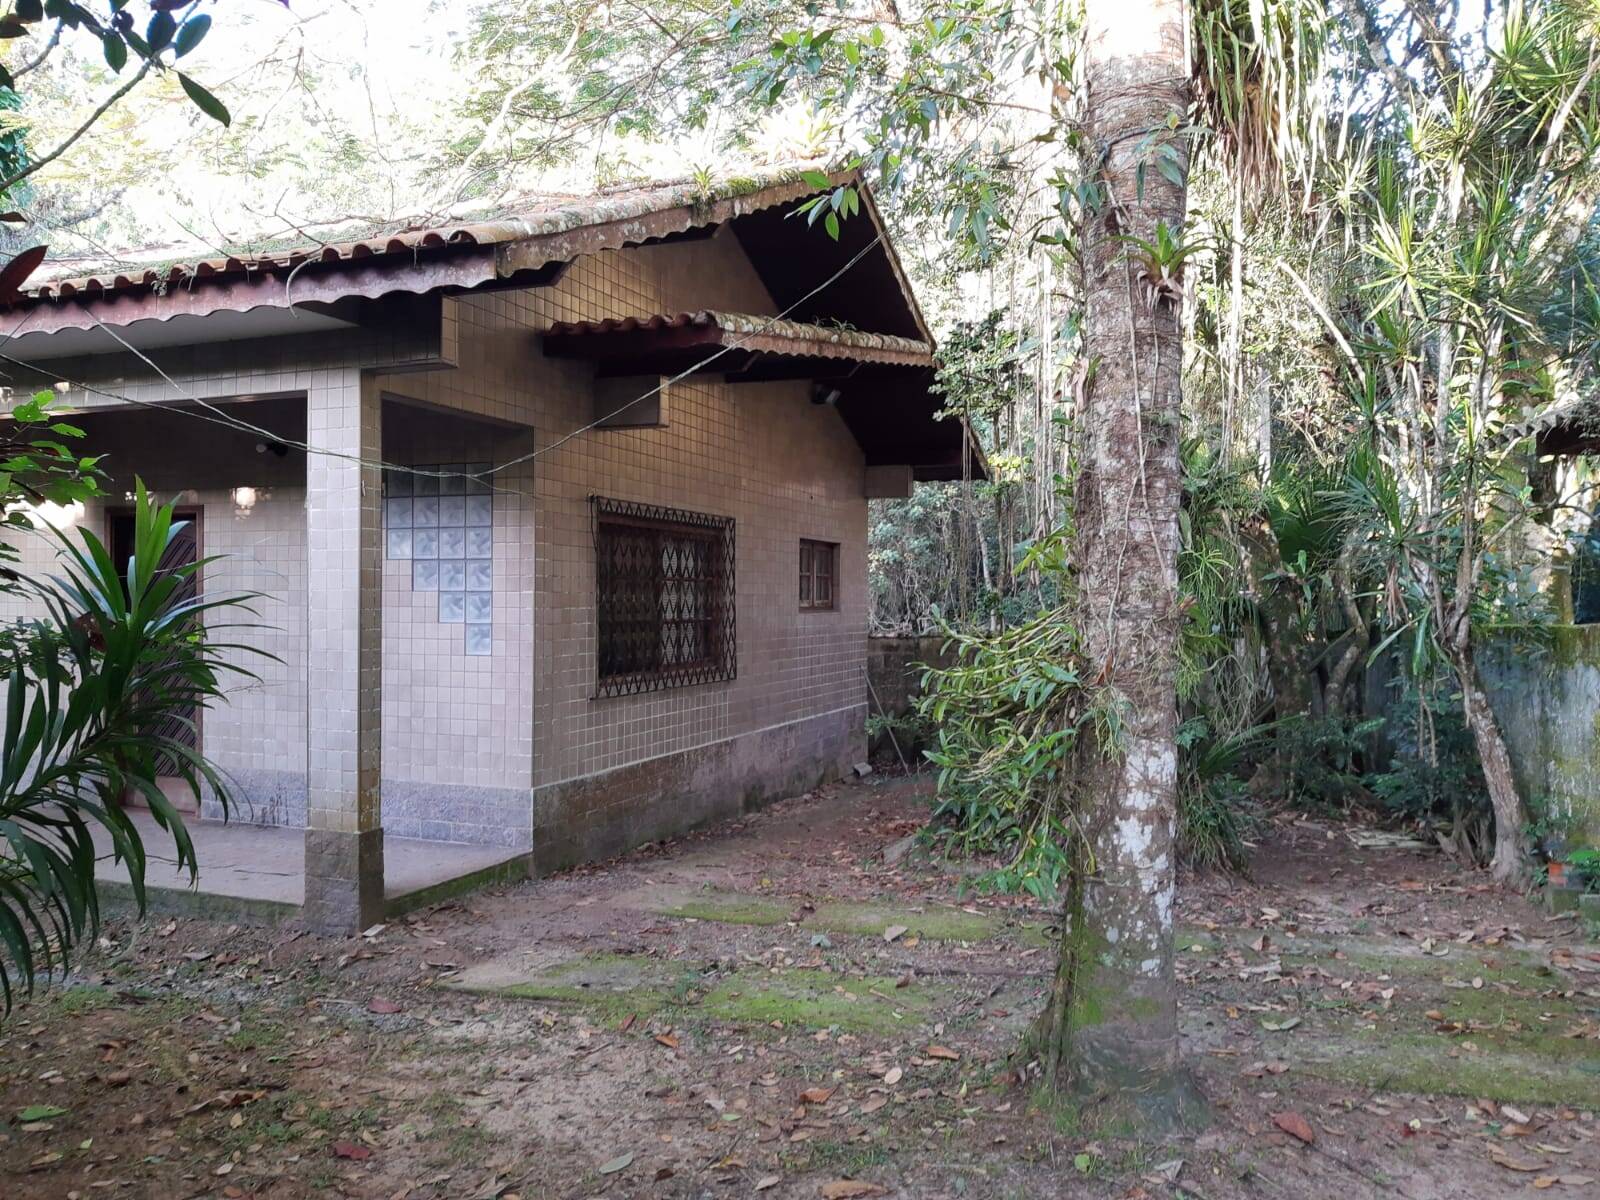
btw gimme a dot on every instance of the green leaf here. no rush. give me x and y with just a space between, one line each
116 51
195 28
205 101
816 179
158 34
831 224
40 1112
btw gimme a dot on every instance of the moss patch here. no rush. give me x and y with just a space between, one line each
618 986
1499 965
817 1000
1410 1063
730 908
1504 1039
938 923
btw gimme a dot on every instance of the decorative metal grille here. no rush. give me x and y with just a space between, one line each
664 597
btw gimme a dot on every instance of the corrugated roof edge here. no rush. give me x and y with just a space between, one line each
525 219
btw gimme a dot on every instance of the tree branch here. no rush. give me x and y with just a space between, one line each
50 45
1361 18
12 180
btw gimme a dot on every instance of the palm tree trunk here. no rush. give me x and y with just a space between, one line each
1115 1003
1512 863
1358 637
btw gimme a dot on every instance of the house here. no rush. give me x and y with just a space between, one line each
558 515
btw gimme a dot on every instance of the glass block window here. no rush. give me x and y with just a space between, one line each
664 597
443 523
819 570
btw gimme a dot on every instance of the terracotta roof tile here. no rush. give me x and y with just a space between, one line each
525 216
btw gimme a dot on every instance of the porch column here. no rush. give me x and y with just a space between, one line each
344 674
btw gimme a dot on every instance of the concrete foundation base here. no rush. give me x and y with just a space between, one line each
601 815
344 880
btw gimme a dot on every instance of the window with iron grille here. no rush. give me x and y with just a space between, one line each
664 597
819 570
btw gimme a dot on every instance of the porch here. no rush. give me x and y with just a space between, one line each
426 790
257 872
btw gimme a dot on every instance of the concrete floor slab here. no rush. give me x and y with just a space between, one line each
260 864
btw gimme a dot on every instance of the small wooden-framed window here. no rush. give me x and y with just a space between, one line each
819 574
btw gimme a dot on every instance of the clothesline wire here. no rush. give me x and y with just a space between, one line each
217 415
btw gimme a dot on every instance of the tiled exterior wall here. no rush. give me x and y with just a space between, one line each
259 737
458 726
761 453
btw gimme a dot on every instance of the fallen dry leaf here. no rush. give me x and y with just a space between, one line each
1295 1126
815 1095
667 1040
893 932
379 1004
850 1189
943 1052
768 1181
354 1150
893 1075
1501 1158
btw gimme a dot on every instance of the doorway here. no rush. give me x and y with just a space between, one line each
181 725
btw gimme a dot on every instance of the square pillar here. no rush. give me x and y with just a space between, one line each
344 673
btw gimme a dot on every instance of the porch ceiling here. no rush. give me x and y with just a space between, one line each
180 446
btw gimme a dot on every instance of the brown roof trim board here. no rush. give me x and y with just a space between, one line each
634 338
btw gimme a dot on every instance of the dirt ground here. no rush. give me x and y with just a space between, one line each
772 1009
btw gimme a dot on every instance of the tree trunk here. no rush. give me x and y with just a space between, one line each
1344 585
1112 1018
1512 862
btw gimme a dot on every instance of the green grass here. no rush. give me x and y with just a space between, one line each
850 918
77 1000
617 986
850 1159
